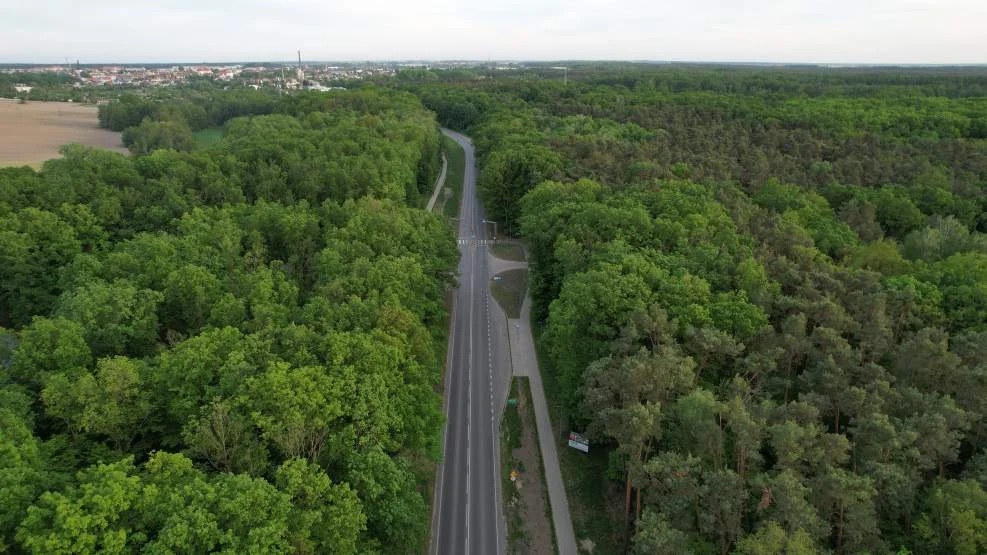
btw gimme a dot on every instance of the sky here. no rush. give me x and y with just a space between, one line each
784 31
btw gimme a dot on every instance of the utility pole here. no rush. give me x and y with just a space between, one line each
495 227
565 74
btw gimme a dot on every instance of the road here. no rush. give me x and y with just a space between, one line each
467 518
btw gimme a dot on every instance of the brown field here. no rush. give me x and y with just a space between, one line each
32 133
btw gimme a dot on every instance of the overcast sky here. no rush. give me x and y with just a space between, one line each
833 31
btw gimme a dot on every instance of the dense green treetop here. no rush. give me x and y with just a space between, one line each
230 348
762 291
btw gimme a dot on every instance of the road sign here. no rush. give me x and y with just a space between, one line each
577 441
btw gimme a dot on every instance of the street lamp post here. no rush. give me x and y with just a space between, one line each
454 224
565 74
495 227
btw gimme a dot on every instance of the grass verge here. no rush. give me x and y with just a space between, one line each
425 467
454 177
590 493
508 251
32 165
509 290
541 472
526 531
208 136
510 439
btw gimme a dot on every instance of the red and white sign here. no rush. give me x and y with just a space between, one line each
577 441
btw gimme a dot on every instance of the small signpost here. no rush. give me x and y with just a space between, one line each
577 441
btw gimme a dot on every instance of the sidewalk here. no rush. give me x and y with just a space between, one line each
438 184
525 363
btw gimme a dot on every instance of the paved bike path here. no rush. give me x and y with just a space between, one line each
525 363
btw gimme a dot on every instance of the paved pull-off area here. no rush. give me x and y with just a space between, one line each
467 515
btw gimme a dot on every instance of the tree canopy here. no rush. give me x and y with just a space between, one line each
232 348
760 291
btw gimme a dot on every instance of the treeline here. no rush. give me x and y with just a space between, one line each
34 79
197 110
168 120
929 144
234 349
330 145
770 307
787 81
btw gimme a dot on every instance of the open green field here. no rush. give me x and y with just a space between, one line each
508 251
208 136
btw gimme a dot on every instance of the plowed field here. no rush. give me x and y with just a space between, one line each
32 133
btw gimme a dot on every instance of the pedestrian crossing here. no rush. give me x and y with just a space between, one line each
475 242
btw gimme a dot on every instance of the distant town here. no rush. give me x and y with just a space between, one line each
292 76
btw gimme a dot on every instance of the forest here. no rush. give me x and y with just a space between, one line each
231 348
761 292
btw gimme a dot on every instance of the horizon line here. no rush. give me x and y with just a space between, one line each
510 61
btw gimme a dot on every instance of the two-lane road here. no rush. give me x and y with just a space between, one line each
467 514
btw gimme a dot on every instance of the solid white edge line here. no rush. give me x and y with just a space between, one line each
437 509
469 398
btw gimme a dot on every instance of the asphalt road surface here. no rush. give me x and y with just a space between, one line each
467 516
